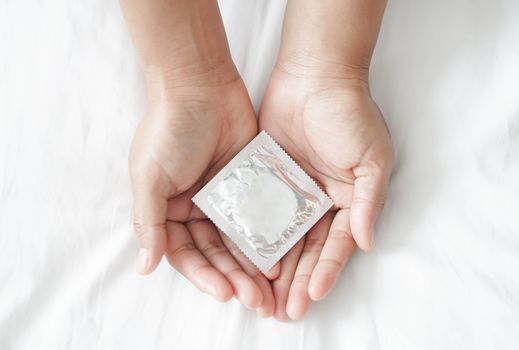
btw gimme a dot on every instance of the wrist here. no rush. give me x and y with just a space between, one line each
197 77
305 80
180 43
333 38
309 66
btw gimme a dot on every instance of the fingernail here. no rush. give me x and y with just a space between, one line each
262 312
142 261
371 239
208 288
291 309
313 291
212 290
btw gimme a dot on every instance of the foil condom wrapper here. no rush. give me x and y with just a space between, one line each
263 201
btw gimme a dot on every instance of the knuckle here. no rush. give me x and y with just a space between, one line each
340 235
138 227
234 271
314 244
363 200
332 266
144 176
196 273
283 282
234 250
212 248
149 175
302 277
181 249
385 161
378 166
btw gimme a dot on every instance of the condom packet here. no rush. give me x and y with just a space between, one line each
263 201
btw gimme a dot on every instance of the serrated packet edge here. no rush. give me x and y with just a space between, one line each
263 264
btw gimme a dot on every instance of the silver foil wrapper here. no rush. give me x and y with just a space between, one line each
263 201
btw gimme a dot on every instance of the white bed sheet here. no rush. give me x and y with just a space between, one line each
445 271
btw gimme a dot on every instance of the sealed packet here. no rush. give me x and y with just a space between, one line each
263 201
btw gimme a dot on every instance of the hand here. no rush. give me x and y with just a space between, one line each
335 131
187 135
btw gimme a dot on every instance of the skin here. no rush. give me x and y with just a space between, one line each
199 115
352 166
319 108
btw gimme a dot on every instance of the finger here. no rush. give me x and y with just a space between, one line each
298 299
274 271
208 241
186 259
338 248
266 308
369 193
149 221
281 285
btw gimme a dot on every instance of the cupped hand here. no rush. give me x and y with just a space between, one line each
187 135
332 127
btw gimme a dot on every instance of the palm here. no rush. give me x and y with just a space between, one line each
336 134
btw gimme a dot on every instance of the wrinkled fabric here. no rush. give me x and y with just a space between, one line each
444 273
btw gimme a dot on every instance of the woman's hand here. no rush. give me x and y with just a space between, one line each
199 116
332 127
187 135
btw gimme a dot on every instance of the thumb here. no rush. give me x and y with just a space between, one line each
369 193
150 200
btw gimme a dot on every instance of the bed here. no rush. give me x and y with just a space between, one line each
444 273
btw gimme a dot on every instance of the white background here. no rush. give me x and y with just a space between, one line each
445 270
